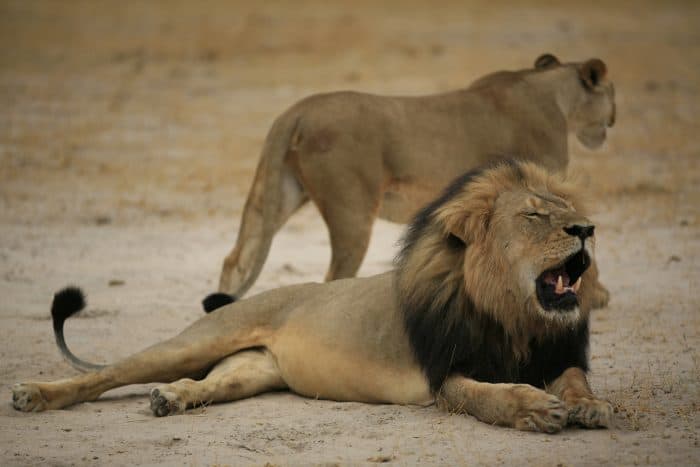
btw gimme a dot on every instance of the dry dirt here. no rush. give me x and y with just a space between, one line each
129 132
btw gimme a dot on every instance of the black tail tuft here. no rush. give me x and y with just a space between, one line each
217 300
66 302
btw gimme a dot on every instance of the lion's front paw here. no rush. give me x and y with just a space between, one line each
538 411
165 402
27 398
591 413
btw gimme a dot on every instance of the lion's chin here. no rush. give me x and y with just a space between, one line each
562 318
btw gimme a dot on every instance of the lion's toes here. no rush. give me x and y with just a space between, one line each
591 413
27 398
164 402
540 411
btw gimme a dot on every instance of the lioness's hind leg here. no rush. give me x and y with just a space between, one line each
345 181
349 212
238 376
348 248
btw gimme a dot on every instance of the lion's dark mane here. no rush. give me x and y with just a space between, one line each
453 337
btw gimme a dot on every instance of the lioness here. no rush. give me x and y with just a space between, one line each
486 313
359 156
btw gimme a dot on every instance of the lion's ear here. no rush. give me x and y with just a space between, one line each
468 214
468 224
592 72
546 61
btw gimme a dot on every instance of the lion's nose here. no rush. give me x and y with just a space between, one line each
580 231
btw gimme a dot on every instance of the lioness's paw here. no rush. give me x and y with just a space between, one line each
164 402
538 411
27 398
590 413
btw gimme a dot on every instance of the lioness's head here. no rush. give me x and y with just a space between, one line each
588 99
511 241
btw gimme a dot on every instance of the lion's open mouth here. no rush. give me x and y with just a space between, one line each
557 288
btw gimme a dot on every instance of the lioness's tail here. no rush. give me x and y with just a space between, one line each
66 303
275 195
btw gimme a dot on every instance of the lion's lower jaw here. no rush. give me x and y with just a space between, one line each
559 317
553 318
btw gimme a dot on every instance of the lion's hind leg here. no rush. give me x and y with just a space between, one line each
166 361
520 406
197 348
243 374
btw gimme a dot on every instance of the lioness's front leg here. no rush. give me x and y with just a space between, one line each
583 407
519 406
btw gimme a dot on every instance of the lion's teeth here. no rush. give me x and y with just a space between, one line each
577 285
560 286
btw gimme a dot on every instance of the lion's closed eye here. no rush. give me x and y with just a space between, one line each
535 215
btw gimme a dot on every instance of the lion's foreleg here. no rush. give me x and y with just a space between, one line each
238 376
583 407
519 406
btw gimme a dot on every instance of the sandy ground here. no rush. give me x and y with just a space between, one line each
129 132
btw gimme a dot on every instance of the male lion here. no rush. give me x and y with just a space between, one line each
359 156
486 314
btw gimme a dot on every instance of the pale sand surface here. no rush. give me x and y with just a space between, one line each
129 132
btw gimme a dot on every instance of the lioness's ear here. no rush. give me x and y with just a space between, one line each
592 72
546 61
